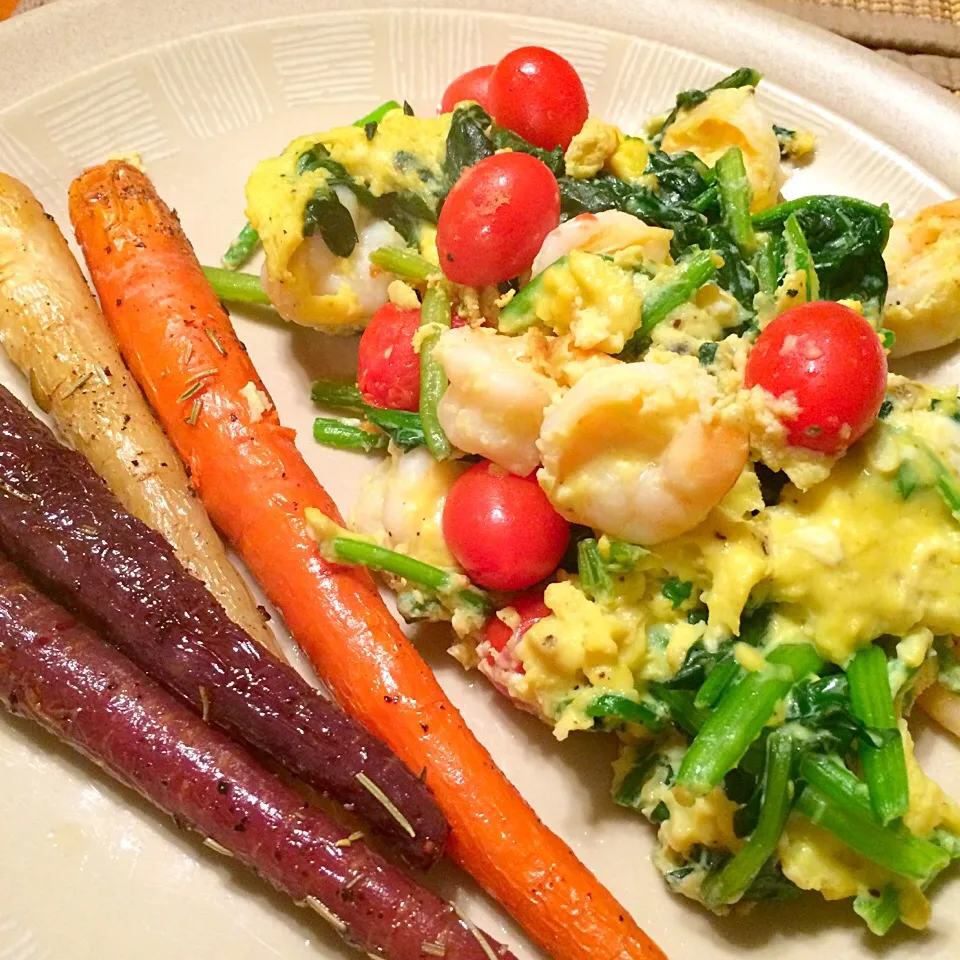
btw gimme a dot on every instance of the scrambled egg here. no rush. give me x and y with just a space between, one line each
629 161
582 648
854 561
592 298
591 148
731 118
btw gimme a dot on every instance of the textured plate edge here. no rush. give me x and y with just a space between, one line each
903 110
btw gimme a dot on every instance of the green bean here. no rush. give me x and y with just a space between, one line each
405 263
735 197
692 274
362 553
741 715
765 263
520 311
799 257
338 395
897 851
236 287
241 250
347 436
730 883
435 315
884 766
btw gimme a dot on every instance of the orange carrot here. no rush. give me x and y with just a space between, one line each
256 486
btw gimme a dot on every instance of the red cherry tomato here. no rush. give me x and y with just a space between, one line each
538 94
495 219
832 360
502 529
471 85
388 370
530 608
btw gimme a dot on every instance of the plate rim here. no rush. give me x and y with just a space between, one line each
904 111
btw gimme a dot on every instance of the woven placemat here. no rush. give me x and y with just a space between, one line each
921 34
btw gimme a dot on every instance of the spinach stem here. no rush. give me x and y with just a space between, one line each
347 436
633 711
235 287
435 317
741 715
735 197
375 116
719 680
884 766
730 883
362 553
404 263
338 395
692 274
594 579
799 257
241 250
897 851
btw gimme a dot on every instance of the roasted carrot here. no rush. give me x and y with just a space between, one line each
256 487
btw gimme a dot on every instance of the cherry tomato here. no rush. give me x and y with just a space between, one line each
388 370
832 360
530 608
495 219
471 85
502 529
538 94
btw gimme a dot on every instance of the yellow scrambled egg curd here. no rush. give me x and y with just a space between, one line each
583 648
593 299
629 161
856 561
591 148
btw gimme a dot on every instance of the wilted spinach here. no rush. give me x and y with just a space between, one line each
403 210
467 141
473 136
846 237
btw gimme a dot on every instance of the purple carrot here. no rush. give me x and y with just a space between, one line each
58 672
61 523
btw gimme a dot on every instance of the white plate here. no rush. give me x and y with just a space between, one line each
203 91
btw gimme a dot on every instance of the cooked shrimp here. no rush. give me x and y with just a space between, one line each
632 452
731 118
400 505
335 293
495 401
923 266
605 232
